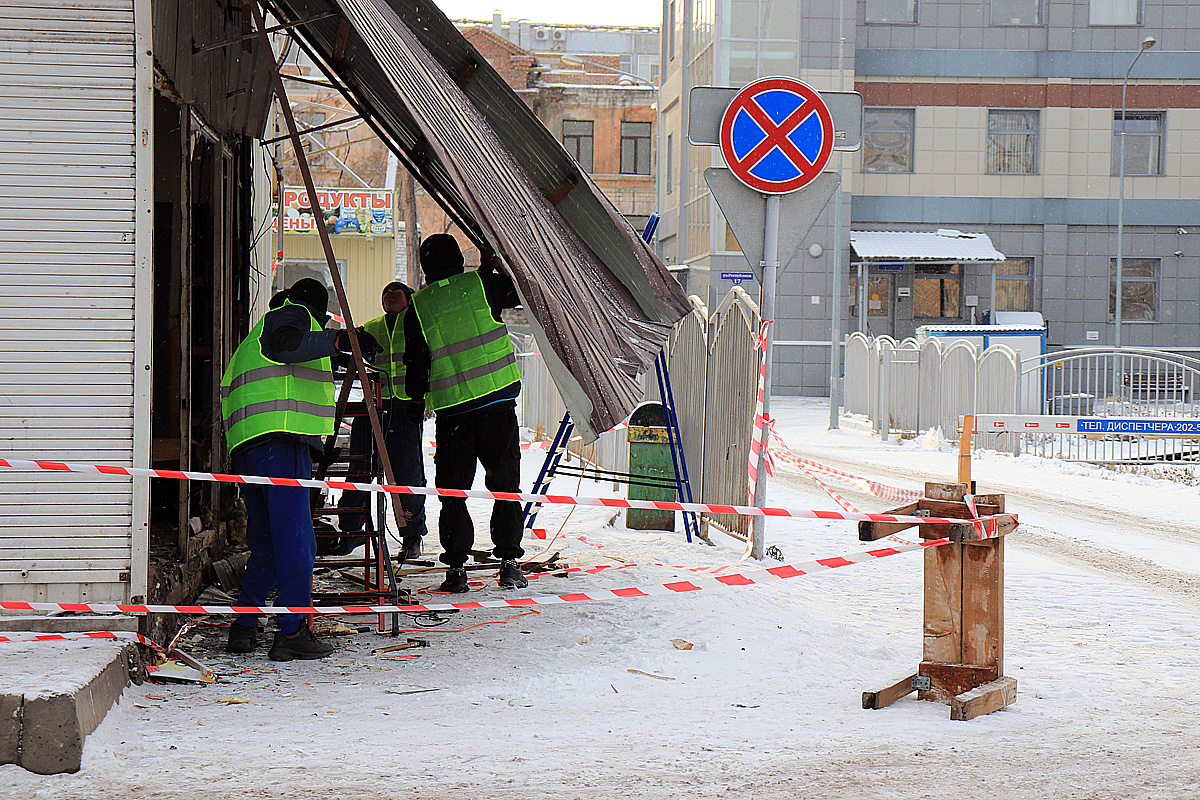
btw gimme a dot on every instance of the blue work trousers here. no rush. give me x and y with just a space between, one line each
279 529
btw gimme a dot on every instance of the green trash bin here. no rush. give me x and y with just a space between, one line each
650 461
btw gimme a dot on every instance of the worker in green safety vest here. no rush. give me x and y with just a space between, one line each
277 402
402 422
460 362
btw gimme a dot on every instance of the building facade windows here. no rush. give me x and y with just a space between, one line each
1145 134
1014 285
888 139
579 140
1113 12
1016 12
1012 142
1139 289
937 291
892 11
670 170
635 148
671 31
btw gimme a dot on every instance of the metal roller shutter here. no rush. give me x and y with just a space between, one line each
68 275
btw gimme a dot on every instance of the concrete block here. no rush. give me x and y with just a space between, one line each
72 624
45 733
10 727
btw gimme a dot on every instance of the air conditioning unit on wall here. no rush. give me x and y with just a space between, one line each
541 34
559 35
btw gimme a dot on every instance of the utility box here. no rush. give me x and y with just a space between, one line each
651 470
1024 332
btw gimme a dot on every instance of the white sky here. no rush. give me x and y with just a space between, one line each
611 12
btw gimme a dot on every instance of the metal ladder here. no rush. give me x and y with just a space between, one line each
380 585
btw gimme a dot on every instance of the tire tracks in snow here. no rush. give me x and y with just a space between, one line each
1041 539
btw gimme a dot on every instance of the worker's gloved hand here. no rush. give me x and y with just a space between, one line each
416 411
366 343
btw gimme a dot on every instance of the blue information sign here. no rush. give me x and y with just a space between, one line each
1162 426
737 277
889 266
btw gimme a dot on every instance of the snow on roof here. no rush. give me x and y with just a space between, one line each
944 244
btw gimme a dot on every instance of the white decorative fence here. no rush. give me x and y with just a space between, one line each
905 388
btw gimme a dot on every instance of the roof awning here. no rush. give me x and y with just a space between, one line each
941 245
600 303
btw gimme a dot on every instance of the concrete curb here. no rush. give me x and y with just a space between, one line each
45 734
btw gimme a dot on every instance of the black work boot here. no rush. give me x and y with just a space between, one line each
242 638
301 644
412 548
456 581
511 576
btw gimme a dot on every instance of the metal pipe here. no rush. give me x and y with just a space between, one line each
331 260
835 332
1147 43
770 267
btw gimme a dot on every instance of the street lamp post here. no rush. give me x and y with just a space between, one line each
1147 43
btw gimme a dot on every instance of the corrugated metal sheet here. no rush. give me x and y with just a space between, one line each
941 245
600 302
230 86
66 295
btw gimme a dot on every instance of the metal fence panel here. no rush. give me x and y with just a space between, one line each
929 384
857 370
958 386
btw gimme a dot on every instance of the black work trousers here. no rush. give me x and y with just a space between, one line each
490 437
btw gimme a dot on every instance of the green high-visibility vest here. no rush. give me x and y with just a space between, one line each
390 362
470 353
260 396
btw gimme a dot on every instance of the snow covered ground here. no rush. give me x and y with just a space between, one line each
1101 633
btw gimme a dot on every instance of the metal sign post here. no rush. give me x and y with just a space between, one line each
776 135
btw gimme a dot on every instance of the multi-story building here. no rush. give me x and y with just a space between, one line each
994 117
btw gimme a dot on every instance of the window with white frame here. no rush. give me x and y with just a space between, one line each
1016 12
1139 289
1014 285
1012 142
1145 135
894 11
888 139
1113 12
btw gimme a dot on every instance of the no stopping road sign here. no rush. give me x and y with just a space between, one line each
777 135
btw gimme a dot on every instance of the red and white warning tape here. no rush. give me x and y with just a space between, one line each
476 494
57 637
876 488
692 584
758 438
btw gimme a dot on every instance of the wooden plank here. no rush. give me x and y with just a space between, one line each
943 604
984 699
870 531
969 534
955 508
945 491
947 681
983 604
885 697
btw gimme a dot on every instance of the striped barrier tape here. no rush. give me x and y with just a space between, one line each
876 488
125 636
692 584
480 494
758 439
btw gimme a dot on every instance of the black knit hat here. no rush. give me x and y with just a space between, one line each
311 294
396 285
441 257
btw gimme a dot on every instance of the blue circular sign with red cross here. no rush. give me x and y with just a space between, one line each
777 135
